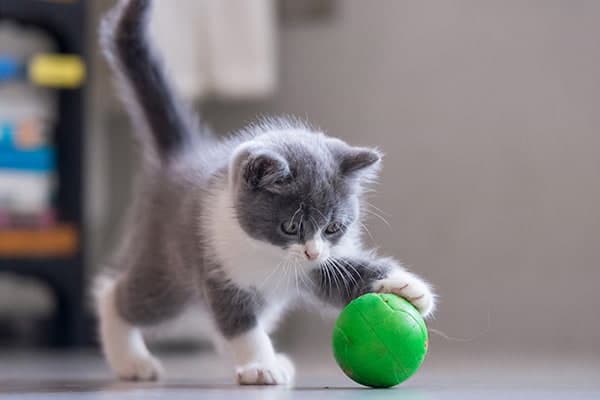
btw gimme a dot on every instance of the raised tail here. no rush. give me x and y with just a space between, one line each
165 125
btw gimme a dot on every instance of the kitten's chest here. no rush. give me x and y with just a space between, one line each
259 266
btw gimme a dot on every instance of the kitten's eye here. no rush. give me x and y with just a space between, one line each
289 228
332 228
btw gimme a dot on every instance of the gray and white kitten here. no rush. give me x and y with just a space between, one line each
240 226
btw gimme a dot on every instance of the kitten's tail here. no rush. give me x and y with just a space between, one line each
165 125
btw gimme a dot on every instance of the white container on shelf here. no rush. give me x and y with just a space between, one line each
25 192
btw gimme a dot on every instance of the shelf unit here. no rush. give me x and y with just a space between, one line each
65 21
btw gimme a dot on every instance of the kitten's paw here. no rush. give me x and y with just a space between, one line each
138 368
408 286
278 372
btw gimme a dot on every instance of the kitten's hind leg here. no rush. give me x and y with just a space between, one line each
122 342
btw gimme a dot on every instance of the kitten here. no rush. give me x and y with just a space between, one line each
241 225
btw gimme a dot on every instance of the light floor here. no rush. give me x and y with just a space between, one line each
199 376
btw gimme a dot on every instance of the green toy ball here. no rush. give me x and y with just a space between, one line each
379 340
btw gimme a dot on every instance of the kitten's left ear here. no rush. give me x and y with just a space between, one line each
360 160
259 168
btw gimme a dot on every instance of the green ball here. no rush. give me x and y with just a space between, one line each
379 340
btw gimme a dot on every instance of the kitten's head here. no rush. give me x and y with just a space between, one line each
300 190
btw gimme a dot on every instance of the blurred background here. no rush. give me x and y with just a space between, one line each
487 113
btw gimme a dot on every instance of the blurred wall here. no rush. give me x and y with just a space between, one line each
488 114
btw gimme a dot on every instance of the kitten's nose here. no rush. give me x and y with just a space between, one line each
312 250
312 255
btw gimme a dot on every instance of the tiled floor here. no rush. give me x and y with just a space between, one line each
203 376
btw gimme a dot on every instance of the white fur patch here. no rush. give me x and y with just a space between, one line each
256 361
349 245
410 287
122 344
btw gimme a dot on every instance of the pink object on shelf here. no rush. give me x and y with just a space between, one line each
4 219
42 220
47 219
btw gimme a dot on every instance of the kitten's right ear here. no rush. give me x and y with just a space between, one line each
259 168
359 160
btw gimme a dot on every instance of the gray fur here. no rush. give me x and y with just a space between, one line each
358 275
235 310
147 91
282 172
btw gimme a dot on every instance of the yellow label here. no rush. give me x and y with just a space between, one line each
57 70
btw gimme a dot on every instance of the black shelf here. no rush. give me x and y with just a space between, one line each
65 21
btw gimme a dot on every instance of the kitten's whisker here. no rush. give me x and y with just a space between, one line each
367 230
290 275
286 273
342 277
298 267
347 264
296 277
305 279
329 277
326 279
345 271
287 276
333 279
350 274
376 208
378 216
277 267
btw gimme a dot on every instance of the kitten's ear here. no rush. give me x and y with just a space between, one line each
359 160
260 169
265 170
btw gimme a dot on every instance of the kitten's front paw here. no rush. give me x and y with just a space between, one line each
279 372
409 287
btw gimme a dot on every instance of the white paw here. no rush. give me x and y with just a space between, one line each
411 288
278 372
138 368
123 344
